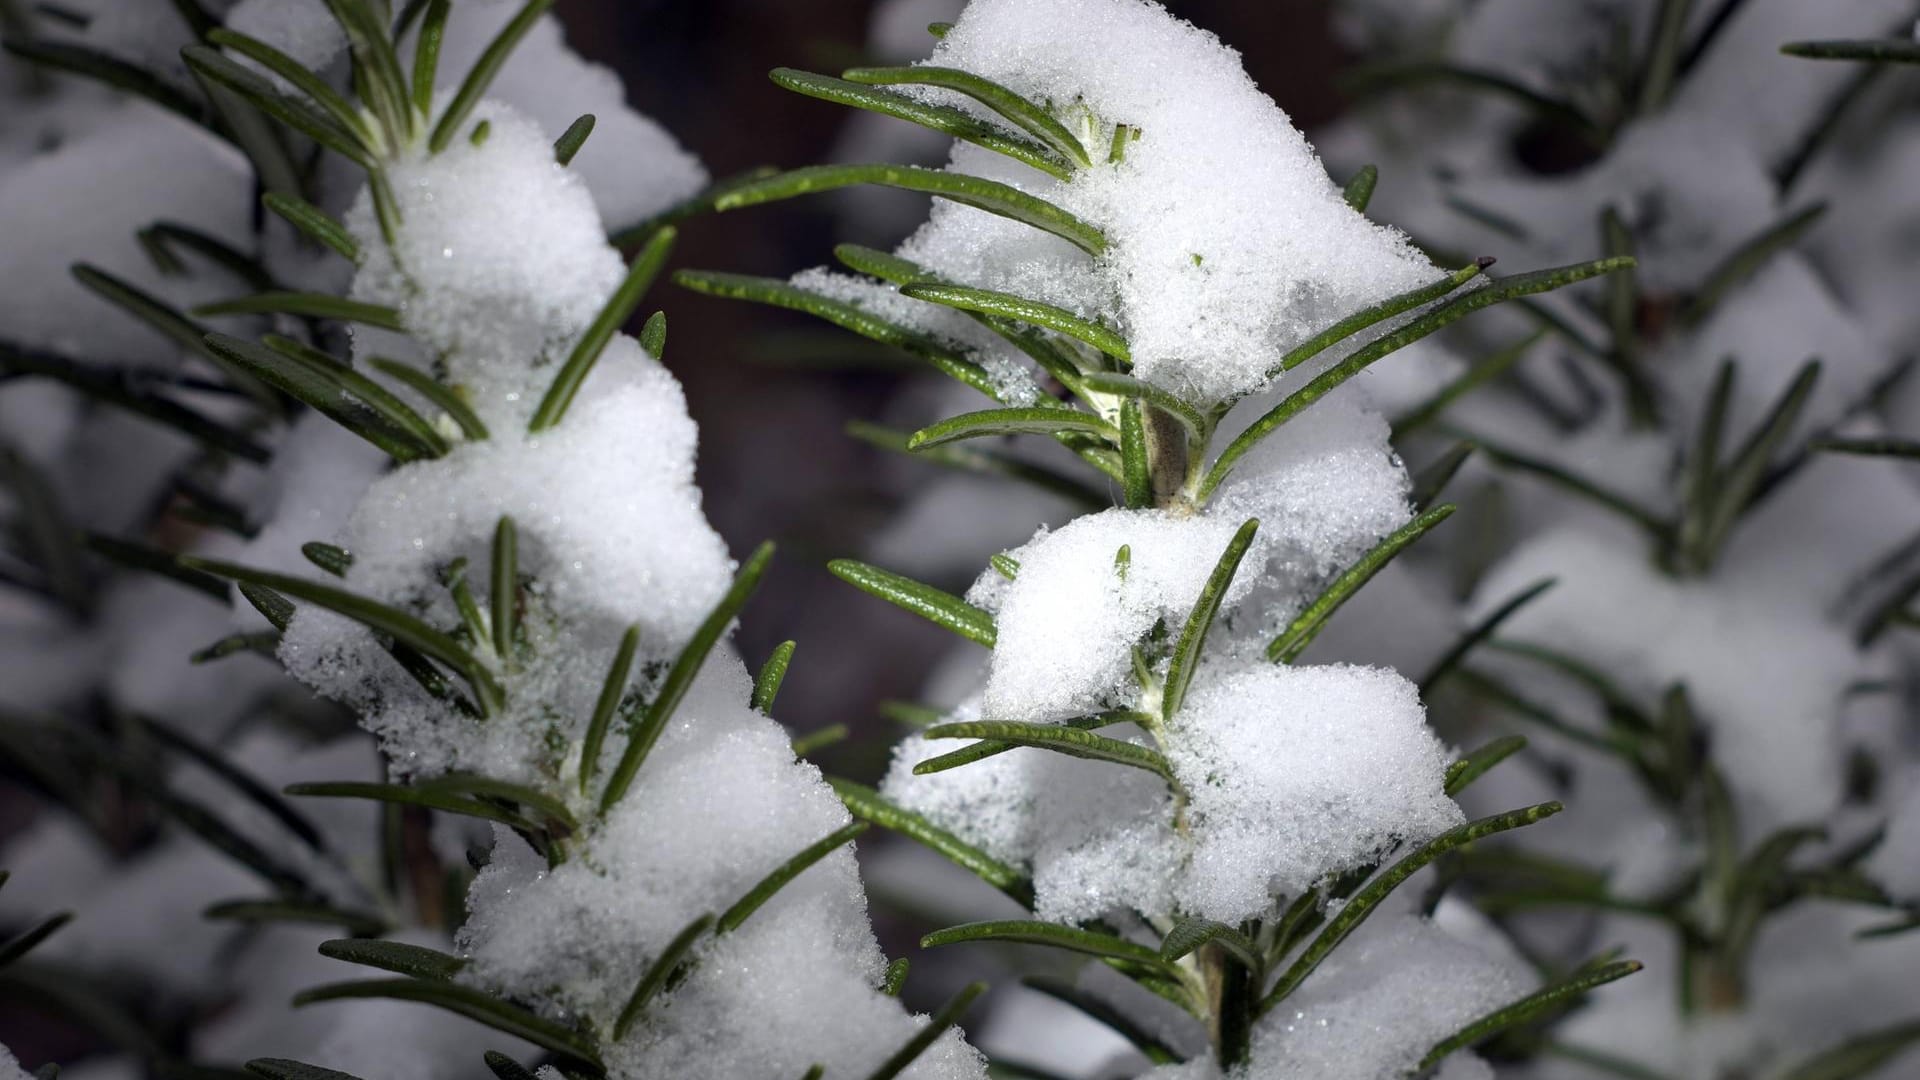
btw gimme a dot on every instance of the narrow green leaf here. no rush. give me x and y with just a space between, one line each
1193 635
41 517
766 685
1364 902
1126 386
298 76
663 967
1466 770
242 781
1737 484
1746 260
1097 1008
273 607
1023 114
991 196
1870 50
612 691
426 54
168 235
1452 311
165 320
1379 313
987 748
941 118
217 70
868 805
505 591
948 1016
18 946
446 398
1573 484
1022 309
404 795
1481 631
376 69
1880 446
137 393
1359 189
783 875
1375 79
474 87
348 398
1136 468
772 291
1190 934
1507 700
308 306
376 616
288 1069
896 977
101 67
1859 1057
468 1002
680 676
619 308
975 460
653 335
285 911
568 145
815 741
941 608
264 643
1071 938
1480 373
315 224
414 961
1313 618
1548 1000
334 560
523 796
1664 54
505 1068
1032 420
1059 738
155 561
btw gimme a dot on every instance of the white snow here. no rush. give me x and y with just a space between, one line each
1896 862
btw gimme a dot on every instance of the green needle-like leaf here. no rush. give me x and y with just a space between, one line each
150 560
1881 446
314 223
298 76
445 397
1445 315
468 1002
135 392
329 557
1870 50
393 622
783 875
101 67
612 691
505 1068
1466 770
975 460
1548 1000
239 779
1126 386
1193 635
474 87
348 398
1100 1010
285 911
1378 313
1136 466
1059 738
1022 113
1022 309
868 805
680 676
1364 902
1480 632
619 308
167 321
1372 80
934 605
217 70
1746 260
505 591
766 685
664 965
568 145
1573 484
1359 190
941 118
772 291
415 961
1313 618
308 306
1190 934
426 54
1481 372
989 195
18 946
1072 938
405 795
525 797
1032 420
948 1016
896 977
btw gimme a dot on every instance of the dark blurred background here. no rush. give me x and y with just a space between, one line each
774 461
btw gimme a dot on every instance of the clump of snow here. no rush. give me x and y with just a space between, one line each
609 532
1380 1002
500 261
1227 242
10 1067
1325 488
1294 774
1095 836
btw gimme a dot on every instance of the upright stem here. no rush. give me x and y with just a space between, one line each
1167 462
1231 996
